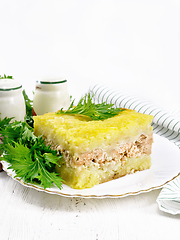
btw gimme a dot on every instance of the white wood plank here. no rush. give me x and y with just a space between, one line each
30 214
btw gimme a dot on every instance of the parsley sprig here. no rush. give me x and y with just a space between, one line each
87 107
28 156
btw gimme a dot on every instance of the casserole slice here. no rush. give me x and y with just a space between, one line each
98 151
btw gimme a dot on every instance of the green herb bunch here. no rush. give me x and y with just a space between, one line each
28 156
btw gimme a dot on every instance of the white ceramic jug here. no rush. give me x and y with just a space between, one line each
12 103
50 96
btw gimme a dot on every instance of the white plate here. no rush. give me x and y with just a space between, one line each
165 167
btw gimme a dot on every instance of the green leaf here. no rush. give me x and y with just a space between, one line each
47 179
29 109
28 135
94 111
49 158
5 77
5 122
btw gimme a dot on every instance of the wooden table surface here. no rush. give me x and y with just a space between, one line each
29 214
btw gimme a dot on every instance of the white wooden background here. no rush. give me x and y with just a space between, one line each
29 214
128 44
